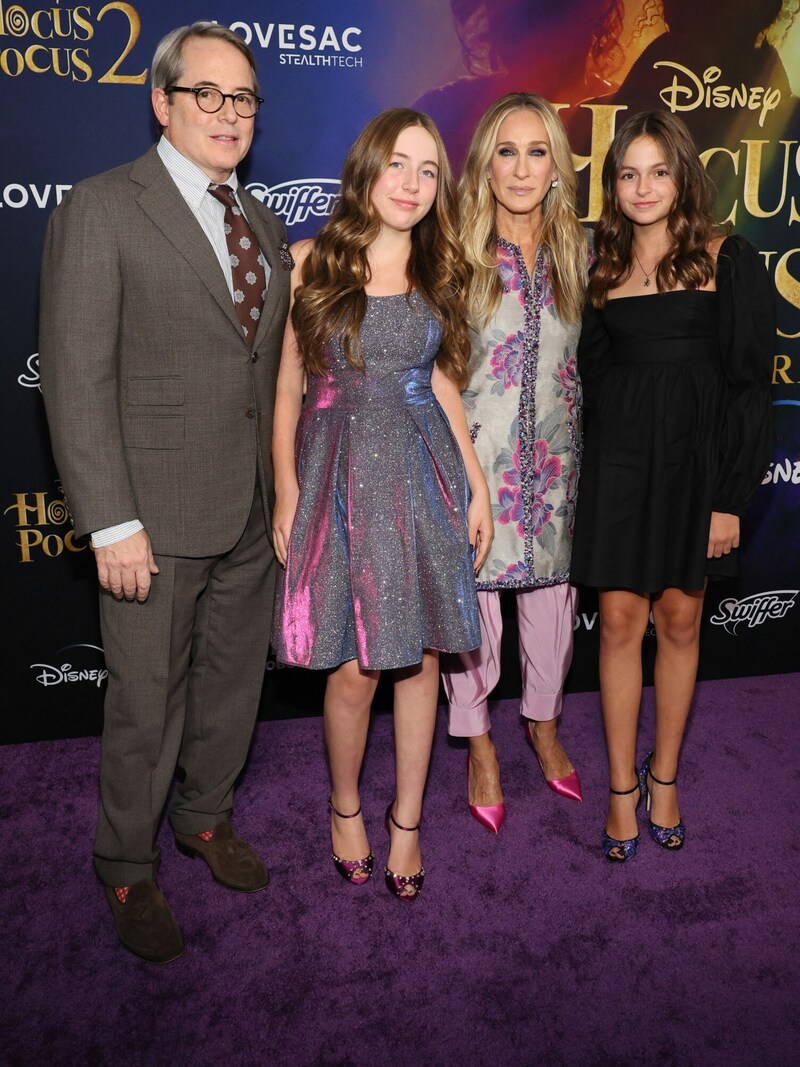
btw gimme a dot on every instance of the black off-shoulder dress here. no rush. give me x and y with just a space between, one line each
678 424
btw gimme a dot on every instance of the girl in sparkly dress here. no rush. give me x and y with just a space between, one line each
529 258
381 504
675 357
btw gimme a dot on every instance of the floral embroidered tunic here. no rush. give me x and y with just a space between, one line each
523 407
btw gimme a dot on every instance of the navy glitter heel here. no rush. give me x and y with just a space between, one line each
622 851
669 837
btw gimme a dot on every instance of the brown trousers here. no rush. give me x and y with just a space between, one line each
185 671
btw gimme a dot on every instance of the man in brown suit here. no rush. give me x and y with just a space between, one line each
159 349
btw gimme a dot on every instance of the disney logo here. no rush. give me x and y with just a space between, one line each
31 379
693 92
754 610
787 471
295 200
66 673
50 675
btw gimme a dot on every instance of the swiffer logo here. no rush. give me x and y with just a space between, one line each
294 201
754 610
31 379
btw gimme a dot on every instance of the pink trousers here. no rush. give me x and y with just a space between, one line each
545 620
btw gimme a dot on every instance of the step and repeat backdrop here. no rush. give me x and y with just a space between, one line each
74 85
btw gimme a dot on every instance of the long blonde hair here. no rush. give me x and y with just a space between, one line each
562 234
334 275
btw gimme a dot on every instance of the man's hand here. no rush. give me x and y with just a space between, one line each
124 568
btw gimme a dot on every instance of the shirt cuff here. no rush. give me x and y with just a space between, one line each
111 534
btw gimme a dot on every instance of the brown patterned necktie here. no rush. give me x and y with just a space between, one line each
247 267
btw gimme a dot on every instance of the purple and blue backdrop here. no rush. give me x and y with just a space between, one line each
74 84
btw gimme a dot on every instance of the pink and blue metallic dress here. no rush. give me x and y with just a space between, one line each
379 566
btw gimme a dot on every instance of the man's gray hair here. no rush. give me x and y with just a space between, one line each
167 65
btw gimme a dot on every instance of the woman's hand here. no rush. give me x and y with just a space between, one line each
282 521
723 534
480 525
288 402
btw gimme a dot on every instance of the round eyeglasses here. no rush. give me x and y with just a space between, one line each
212 100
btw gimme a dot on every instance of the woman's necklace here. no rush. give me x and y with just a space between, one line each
647 276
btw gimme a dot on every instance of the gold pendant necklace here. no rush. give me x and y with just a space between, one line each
647 276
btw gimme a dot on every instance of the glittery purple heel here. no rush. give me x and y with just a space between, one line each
669 837
402 886
621 851
357 872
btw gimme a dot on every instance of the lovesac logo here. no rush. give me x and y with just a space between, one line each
67 673
294 201
754 610
306 45
45 197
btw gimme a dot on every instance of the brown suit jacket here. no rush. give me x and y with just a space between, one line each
157 407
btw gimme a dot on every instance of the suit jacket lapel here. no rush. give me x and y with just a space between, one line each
163 204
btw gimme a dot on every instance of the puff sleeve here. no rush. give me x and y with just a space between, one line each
593 350
746 341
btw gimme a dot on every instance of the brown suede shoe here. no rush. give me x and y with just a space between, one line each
145 924
233 863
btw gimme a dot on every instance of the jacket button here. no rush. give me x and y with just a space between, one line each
250 413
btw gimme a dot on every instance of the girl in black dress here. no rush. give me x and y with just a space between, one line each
675 357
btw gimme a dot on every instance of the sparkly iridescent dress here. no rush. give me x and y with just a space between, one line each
379 566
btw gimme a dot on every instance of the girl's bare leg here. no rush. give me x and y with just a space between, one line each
623 621
677 617
348 698
415 694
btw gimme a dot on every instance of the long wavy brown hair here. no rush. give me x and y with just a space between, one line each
562 234
690 226
336 270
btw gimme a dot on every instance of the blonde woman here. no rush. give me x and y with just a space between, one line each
528 255
381 502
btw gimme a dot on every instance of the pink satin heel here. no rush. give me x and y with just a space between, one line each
569 786
357 872
492 816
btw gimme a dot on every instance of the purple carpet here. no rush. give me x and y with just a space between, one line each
524 949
